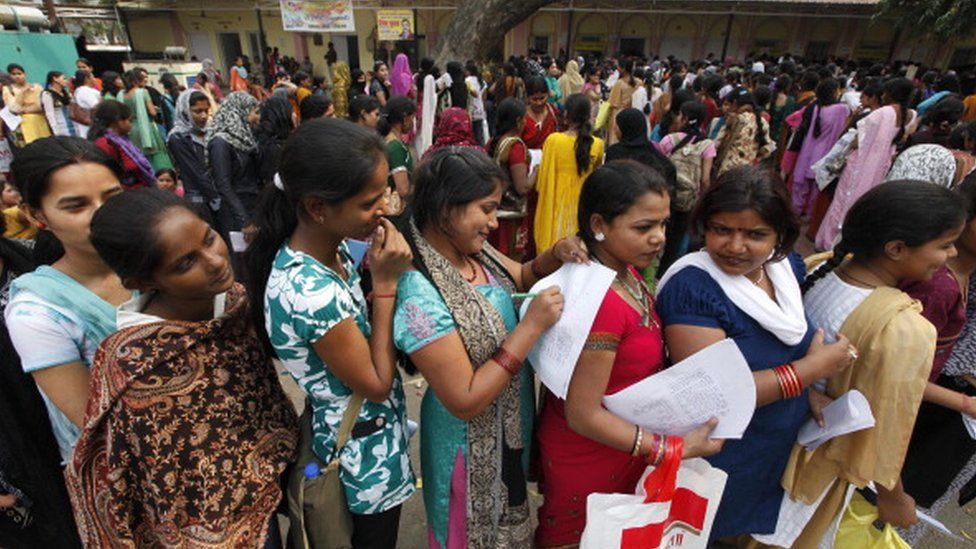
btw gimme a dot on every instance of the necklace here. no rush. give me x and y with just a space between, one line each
474 270
762 276
848 274
641 295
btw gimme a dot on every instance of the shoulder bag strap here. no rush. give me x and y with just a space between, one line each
348 420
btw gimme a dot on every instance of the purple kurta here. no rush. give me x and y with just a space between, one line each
866 167
833 120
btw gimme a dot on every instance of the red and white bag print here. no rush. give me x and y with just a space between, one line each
675 506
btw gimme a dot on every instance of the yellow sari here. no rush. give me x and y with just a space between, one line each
559 184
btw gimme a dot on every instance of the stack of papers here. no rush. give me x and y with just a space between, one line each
714 382
849 413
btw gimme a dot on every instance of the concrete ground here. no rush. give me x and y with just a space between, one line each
413 522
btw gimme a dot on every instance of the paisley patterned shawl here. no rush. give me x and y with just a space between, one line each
491 522
187 432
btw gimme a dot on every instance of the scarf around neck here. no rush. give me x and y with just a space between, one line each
784 318
482 330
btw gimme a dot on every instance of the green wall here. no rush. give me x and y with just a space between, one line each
38 53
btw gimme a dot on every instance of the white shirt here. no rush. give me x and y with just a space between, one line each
476 103
86 97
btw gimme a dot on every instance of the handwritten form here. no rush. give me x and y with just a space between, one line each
555 353
714 382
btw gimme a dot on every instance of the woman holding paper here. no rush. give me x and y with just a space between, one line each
887 241
455 319
745 286
584 448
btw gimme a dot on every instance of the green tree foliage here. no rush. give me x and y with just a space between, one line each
944 19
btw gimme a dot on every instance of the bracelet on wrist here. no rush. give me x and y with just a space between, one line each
638 441
383 296
788 380
508 361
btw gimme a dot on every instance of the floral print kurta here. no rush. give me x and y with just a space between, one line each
303 301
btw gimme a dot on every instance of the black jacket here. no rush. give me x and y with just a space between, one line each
235 175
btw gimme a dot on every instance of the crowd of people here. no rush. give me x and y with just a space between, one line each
391 220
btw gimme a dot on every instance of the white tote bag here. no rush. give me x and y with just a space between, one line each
675 506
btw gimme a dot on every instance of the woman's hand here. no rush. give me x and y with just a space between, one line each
818 401
697 443
545 309
389 256
896 508
571 250
824 361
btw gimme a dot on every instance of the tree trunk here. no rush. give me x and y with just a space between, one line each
478 25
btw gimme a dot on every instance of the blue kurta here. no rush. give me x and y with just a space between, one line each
755 463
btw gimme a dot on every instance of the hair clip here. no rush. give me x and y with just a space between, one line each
278 182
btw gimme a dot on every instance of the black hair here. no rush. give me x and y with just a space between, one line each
826 96
751 188
276 119
510 112
51 75
948 82
170 84
694 114
204 79
104 115
578 115
967 191
900 90
314 106
169 171
627 65
80 77
299 76
711 85
396 111
472 68
197 96
678 98
896 210
348 153
449 179
809 80
427 66
872 88
763 96
131 78
611 190
362 104
123 231
11 67
535 85
945 113
675 83
741 97
784 84
378 64
83 60
31 171
459 89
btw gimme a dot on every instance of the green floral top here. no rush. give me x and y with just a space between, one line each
304 300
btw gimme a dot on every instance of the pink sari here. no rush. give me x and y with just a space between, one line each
866 167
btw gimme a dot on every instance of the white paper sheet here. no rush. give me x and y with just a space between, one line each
714 382
850 412
555 353
535 159
970 424
10 119
237 242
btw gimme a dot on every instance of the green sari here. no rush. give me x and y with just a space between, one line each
145 134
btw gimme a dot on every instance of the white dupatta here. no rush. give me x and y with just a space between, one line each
784 318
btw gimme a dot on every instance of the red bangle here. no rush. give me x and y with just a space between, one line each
384 296
789 382
659 445
508 361
676 446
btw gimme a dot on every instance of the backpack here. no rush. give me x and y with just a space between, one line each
513 204
688 164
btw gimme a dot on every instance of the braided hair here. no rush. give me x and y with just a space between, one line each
578 115
889 212
899 91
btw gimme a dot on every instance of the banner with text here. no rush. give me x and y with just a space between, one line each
317 16
395 25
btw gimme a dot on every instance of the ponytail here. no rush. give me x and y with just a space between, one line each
694 113
578 113
347 152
